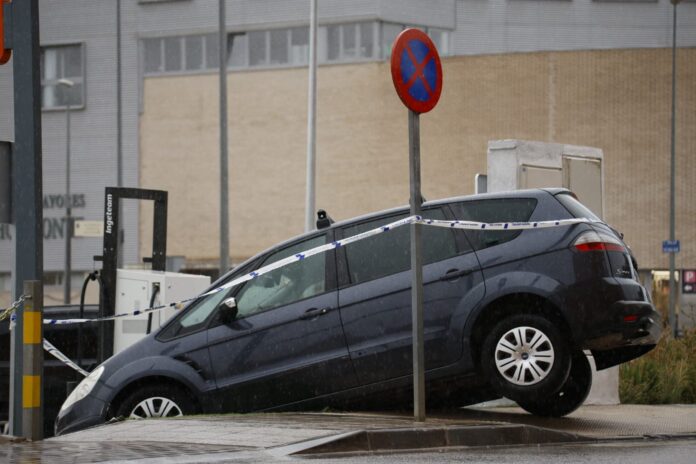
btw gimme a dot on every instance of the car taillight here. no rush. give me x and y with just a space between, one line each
598 241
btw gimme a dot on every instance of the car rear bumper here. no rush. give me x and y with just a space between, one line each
632 323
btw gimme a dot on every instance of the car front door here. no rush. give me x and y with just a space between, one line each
286 343
375 297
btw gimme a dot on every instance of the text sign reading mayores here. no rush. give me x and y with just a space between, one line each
416 70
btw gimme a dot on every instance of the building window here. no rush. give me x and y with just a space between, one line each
237 51
336 43
172 54
279 46
440 38
299 45
62 62
347 42
194 52
176 54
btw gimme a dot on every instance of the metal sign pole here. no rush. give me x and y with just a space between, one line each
416 268
26 184
417 75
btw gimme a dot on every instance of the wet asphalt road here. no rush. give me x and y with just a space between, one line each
633 452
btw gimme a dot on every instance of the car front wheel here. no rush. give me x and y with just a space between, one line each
155 401
525 357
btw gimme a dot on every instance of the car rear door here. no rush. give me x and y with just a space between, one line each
287 342
375 297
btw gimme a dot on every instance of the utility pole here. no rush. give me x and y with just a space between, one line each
119 119
672 170
27 185
67 84
310 203
224 162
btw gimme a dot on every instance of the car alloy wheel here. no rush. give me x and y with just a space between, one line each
524 356
155 401
155 407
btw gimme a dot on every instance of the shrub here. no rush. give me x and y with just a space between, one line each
665 375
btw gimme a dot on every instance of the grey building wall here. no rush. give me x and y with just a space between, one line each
504 26
477 27
93 135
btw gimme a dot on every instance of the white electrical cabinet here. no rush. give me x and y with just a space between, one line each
523 164
134 290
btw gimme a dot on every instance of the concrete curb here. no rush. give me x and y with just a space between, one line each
402 439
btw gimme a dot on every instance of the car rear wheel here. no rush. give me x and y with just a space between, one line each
571 395
156 401
525 357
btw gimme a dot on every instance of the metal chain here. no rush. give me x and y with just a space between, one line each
6 312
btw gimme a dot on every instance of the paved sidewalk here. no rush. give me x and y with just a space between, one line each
267 437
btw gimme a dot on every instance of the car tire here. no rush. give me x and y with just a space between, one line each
571 395
525 357
156 401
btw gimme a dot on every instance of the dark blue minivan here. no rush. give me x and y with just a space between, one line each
507 313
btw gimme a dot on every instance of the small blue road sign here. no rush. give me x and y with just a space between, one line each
416 70
670 246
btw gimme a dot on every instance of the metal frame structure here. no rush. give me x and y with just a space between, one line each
112 241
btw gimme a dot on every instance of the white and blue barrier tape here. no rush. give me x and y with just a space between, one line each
55 352
456 224
466 225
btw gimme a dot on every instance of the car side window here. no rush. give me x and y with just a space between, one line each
494 210
294 282
390 253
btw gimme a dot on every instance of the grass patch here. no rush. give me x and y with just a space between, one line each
666 375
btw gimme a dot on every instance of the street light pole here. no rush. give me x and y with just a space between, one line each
310 197
672 170
224 163
68 84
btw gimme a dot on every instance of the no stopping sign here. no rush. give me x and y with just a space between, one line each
416 70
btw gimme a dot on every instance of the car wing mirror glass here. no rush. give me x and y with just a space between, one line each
228 309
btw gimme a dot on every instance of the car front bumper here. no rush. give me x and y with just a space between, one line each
85 413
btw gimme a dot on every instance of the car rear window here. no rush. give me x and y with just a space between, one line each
575 208
494 210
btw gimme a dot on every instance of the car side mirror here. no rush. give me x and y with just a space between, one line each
228 310
267 281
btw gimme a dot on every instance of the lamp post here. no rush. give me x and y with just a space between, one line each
67 84
224 158
672 283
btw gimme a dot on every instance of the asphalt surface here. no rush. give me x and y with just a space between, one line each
644 434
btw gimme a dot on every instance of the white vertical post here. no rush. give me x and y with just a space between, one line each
224 163
311 120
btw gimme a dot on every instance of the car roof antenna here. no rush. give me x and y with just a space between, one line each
323 220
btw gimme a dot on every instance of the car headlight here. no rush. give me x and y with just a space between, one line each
83 388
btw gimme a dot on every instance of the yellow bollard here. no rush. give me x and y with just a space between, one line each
32 338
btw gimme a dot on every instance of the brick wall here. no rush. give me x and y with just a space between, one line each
617 100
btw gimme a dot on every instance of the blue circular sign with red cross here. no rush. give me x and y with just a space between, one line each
416 70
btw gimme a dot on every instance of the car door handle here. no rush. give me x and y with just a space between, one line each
314 312
454 274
